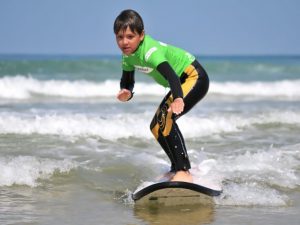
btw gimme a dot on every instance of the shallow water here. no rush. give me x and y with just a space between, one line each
71 154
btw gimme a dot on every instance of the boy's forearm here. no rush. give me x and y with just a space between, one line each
127 80
166 70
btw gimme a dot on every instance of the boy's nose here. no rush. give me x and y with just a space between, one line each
125 41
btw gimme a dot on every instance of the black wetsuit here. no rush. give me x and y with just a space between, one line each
192 86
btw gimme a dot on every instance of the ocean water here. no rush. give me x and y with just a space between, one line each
70 153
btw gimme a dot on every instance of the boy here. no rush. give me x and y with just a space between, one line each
170 67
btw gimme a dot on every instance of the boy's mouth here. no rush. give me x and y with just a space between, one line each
126 49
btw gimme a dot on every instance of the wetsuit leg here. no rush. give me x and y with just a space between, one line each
195 85
157 126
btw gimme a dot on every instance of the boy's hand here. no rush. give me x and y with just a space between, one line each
124 95
176 106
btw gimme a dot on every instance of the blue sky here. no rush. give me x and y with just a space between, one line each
205 27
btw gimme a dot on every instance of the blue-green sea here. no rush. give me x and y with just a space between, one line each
70 153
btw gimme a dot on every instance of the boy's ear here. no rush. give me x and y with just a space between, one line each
142 35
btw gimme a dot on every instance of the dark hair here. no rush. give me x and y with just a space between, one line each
129 18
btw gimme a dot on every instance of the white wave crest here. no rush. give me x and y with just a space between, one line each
284 88
119 126
216 124
22 87
253 178
26 170
113 127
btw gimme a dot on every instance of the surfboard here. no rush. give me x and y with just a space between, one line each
172 193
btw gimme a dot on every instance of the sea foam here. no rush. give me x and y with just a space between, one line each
254 178
21 87
126 125
283 88
27 170
26 87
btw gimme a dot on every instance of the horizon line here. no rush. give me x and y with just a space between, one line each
119 55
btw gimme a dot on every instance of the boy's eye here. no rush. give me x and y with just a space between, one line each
130 36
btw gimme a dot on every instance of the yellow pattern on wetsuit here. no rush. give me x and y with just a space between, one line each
164 118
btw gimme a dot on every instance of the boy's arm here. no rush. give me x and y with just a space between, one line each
177 105
127 82
166 70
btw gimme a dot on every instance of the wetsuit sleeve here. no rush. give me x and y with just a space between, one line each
166 70
127 81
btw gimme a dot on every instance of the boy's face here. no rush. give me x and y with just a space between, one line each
128 41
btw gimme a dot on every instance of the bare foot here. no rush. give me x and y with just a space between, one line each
167 176
183 176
